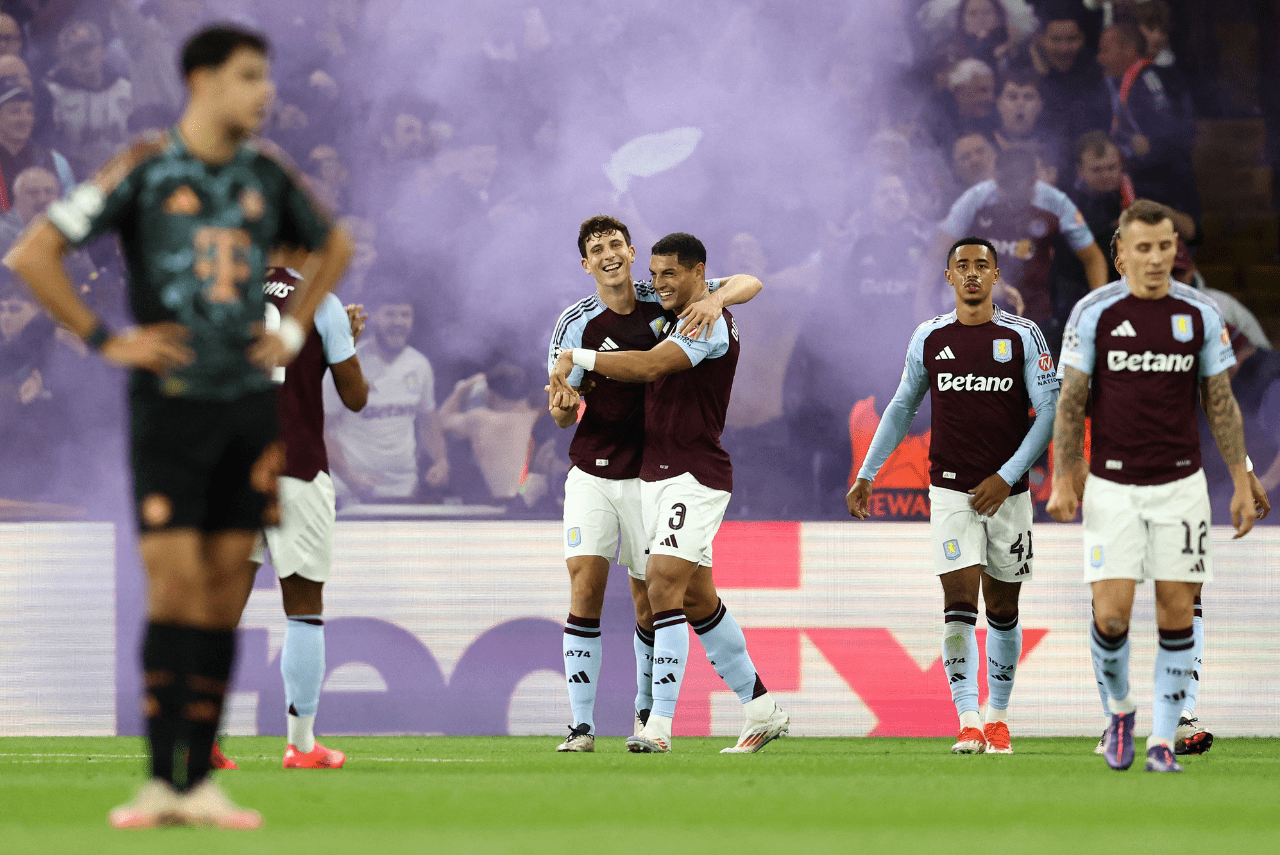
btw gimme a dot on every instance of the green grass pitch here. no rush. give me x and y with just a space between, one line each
516 795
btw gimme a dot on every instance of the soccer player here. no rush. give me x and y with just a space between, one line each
685 480
198 208
983 368
1141 347
1190 737
602 511
301 547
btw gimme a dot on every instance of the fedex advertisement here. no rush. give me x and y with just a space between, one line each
455 628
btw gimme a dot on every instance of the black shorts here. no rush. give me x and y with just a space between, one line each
209 465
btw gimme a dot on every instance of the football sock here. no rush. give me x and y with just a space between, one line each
670 654
1097 675
161 671
1004 648
210 654
1174 661
1111 665
302 667
726 648
1197 651
960 658
582 649
642 641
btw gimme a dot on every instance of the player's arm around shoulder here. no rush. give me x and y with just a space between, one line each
701 316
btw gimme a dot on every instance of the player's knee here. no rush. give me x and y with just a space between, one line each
1112 625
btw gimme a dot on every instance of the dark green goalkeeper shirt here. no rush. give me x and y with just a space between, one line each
196 237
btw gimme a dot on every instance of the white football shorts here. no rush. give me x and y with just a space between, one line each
1158 531
961 537
603 516
682 517
303 542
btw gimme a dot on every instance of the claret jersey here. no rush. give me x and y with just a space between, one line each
1145 360
983 380
610 438
300 393
196 238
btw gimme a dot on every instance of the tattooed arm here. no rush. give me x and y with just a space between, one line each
1070 467
1228 430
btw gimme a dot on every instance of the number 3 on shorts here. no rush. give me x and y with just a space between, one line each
678 510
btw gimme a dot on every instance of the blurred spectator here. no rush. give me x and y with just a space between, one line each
495 412
17 150
13 66
989 30
970 106
374 453
91 102
1152 125
1019 106
34 190
1155 21
1102 190
973 159
10 36
1022 217
1074 95
329 176
1235 313
364 235
152 35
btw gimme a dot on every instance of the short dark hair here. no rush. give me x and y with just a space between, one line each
1154 15
597 226
1144 211
214 45
687 249
1095 143
1019 77
1061 10
973 240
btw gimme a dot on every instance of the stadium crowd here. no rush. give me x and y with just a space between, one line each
834 154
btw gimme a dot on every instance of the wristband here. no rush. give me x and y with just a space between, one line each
584 359
291 334
1248 464
98 336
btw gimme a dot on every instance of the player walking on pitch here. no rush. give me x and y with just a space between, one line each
203 412
602 512
301 547
686 479
983 368
1143 346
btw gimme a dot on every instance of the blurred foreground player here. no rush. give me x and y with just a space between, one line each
602 512
301 547
983 369
1141 347
203 413
685 483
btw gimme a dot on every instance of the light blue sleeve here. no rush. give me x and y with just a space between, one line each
1079 340
1042 387
959 220
568 335
698 349
335 330
902 409
1216 354
1070 220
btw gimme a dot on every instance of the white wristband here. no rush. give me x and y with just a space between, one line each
584 359
1248 464
291 334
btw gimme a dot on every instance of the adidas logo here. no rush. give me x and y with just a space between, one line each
1125 330
580 677
670 678
945 353
956 678
1002 678
671 541
1024 571
607 344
